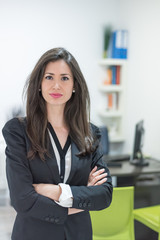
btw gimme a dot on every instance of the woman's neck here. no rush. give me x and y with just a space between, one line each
56 116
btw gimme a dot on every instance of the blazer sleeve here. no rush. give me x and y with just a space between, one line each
24 198
94 197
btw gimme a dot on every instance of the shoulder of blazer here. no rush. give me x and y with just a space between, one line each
15 124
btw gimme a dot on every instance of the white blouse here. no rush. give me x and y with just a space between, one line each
66 197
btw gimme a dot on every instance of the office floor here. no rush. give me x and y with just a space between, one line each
7 216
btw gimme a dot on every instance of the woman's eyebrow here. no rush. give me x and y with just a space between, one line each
49 73
63 74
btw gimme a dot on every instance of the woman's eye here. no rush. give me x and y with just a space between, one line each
48 77
65 78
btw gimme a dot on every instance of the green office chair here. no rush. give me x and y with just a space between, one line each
115 222
149 216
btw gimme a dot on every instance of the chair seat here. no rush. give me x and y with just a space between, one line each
116 221
124 235
149 216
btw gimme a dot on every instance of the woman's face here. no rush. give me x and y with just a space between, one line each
57 83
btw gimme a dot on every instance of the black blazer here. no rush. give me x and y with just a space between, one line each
39 217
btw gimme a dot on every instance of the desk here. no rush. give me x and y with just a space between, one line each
128 169
146 181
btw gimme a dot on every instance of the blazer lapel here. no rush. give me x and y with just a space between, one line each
53 167
74 161
52 164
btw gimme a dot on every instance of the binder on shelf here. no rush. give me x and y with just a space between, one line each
118 45
124 44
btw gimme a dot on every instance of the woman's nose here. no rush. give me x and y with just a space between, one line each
56 85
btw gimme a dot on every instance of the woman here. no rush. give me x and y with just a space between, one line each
54 164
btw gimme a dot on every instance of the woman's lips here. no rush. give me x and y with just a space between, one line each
56 95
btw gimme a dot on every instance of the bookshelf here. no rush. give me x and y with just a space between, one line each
113 90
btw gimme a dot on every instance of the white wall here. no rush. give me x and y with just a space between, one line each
142 19
29 28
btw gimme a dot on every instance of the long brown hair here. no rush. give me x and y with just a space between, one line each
76 112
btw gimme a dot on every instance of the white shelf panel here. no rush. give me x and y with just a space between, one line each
115 117
110 88
112 61
118 138
110 114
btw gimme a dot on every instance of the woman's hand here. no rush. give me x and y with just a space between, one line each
74 210
97 177
48 190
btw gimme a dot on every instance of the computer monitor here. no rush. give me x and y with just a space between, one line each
137 155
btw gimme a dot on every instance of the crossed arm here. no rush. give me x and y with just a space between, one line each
53 191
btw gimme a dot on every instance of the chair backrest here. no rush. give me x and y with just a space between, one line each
104 140
117 219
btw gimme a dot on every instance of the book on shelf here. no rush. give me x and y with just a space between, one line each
108 79
112 76
107 36
118 75
112 101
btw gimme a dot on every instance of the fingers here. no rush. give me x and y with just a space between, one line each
99 177
93 170
98 172
100 182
